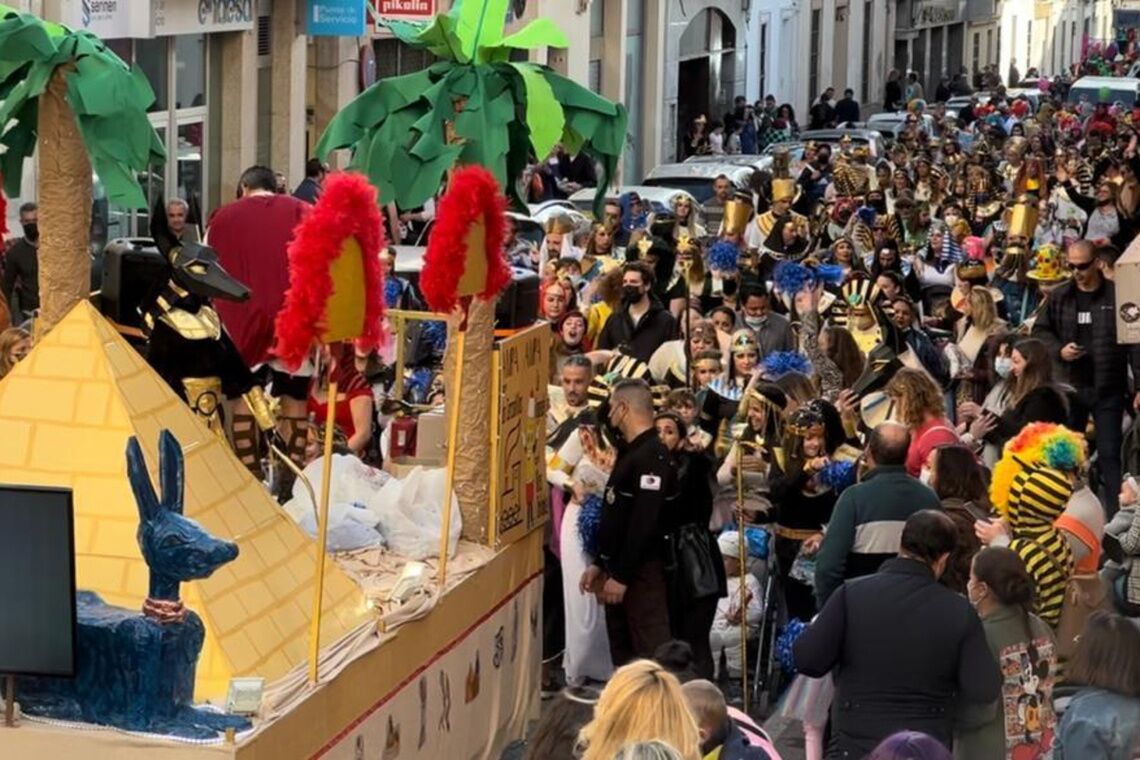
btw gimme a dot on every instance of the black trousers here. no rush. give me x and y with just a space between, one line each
553 613
1107 412
640 624
691 623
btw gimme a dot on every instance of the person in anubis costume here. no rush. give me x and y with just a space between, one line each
187 344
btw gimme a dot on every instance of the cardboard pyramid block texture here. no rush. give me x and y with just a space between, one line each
66 413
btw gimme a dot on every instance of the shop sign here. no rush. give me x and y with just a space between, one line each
421 10
108 19
334 18
936 13
172 17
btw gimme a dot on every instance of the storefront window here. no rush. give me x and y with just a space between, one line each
190 71
153 58
189 181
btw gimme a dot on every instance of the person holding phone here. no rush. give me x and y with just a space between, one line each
1078 324
1034 395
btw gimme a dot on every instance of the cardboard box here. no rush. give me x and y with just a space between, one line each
1127 280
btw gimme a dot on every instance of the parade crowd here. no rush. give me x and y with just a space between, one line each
859 437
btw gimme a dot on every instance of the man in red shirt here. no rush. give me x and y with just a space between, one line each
251 236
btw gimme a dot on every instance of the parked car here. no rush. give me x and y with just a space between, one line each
869 138
528 227
1123 89
696 178
890 123
659 198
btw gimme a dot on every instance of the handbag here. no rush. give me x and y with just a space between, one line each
1085 593
694 570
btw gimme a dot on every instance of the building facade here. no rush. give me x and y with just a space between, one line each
1050 36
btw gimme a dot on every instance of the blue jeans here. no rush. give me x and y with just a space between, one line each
1107 411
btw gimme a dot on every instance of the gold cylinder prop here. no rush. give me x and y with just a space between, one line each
65 207
473 441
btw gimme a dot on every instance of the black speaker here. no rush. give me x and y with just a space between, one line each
518 303
132 268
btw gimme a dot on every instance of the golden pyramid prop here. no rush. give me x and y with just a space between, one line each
66 412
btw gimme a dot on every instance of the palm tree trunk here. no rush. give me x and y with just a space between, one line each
65 206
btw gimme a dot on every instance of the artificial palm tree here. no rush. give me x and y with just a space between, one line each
65 94
473 106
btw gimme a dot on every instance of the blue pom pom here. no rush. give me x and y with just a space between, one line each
392 291
838 475
755 537
791 277
779 363
723 256
830 274
435 333
416 386
589 521
784 643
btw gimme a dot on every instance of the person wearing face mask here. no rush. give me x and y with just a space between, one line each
1021 722
641 324
773 331
972 417
628 573
906 652
21 270
1034 395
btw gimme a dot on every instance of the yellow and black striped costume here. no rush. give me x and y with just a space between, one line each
1037 497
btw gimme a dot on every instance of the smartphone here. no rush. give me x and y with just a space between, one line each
976 512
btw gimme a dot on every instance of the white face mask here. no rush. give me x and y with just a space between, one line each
924 477
1003 365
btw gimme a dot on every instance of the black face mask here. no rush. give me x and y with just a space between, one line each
729 288
32 232
630 294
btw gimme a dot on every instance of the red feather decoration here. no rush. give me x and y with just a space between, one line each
348 207
472 193
3 211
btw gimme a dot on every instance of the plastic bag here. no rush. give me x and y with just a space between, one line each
410 513
351 524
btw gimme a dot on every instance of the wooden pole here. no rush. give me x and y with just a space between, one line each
322 531
9 701
742 559
453 402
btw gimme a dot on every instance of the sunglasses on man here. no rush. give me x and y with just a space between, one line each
1080 267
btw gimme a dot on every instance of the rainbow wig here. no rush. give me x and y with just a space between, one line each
1039 444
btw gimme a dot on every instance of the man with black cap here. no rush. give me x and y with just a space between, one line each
628 575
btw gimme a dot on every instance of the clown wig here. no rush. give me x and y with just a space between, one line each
1039 444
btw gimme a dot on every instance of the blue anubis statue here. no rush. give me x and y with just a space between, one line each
136 671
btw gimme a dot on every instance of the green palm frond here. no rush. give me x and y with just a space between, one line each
502 112
109 99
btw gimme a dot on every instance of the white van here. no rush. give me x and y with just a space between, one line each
1088 89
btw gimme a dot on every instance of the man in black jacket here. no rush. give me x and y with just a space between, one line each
628 575
1079 324
906 651
641 325
21 268
847 109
